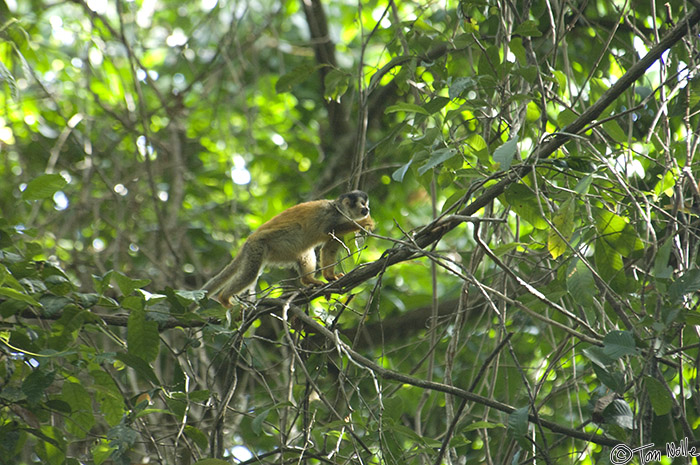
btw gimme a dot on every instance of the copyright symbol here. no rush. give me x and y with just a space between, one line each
621 454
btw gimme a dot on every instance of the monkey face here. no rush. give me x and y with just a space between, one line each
355 204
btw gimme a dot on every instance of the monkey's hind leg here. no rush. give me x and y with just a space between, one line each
307 267
247 268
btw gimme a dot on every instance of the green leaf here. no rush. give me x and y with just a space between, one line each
201 395
584 184
81 409
582 164
190 296
197 436
393 63
102 283
128 285
661 268
659 397
59 405
610 266
689 282
617 232
561 80
295 77
19 296
490 62
617 344
436 104
5 74
142 336
619 413
256 424
139 366
122 438
665 185
108 397
101 452
527 28
459 85
53 304
43 187
524 202
566 117
336 84
407 108
437 157
563 221
479 148
615 131
399 174
36 383
133 302
518 422
612 379
65 329
598 356
505 153
580 283
517 48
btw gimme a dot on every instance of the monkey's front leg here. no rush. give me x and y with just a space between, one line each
328 254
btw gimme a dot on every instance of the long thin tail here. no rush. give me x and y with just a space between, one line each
215 284
238 275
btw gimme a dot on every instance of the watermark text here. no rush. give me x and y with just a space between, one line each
623 454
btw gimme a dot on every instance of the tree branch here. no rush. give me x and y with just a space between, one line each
435 386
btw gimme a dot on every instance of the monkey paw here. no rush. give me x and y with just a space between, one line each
333 277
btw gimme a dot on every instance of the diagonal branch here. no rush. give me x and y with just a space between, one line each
432 233
435 386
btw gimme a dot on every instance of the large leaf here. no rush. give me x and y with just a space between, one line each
617 232
505 153
82 415
142 336
518 422
580 283
43 187
437 157
128 285
36 383
619 413
618 344
524 202
687 283
407 108
18 296
563 221
295 77
139 365
610 265
659 396
400 172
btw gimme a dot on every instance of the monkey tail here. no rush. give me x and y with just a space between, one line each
238 275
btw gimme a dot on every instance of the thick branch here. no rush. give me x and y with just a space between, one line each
324 51
434 233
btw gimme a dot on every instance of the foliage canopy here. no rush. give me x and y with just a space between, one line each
529 295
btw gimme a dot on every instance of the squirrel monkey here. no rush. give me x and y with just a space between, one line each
290 238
